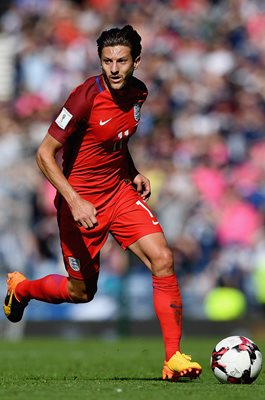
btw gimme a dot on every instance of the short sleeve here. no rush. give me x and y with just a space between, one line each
74 115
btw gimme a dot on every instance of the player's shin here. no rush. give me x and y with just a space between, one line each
50 289
168 308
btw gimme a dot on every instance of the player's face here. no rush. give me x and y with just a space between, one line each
117 66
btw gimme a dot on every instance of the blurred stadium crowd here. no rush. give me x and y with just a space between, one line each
201 141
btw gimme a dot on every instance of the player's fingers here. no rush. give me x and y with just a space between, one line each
146 196
87 223
139 187
146 189
91 223
94 220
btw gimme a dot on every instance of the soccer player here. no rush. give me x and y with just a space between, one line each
100 191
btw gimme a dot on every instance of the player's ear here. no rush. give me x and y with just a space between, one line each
136 62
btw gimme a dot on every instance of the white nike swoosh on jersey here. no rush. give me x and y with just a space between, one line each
101 123
155 222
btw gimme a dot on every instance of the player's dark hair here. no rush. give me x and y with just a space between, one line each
125 36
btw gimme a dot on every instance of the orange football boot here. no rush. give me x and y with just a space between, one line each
180 366
13 308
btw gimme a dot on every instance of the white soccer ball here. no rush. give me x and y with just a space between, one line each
236 359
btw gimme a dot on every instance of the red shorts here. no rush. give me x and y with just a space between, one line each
127 218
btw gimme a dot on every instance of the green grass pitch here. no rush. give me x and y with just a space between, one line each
124 369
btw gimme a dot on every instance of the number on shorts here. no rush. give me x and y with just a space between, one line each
139 203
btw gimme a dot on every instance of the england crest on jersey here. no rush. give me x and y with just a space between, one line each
74 263
137 112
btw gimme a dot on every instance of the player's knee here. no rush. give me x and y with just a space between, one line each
90 293
163 264
82 292
82 296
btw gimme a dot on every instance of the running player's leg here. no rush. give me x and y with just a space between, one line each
154 252
52 288
80 250
136 227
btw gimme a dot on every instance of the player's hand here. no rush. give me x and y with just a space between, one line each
84 213
143 186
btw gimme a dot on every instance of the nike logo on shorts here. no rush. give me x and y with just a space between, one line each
101 123
155 222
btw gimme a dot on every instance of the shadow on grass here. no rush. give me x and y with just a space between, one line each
183 380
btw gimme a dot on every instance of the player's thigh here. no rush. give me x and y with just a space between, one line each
136 227
155 253
132 219
80 247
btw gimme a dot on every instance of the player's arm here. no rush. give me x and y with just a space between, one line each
84 212
141 182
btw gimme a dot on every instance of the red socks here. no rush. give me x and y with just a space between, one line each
167 302
50 289
168 308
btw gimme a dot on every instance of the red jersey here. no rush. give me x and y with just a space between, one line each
94 126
